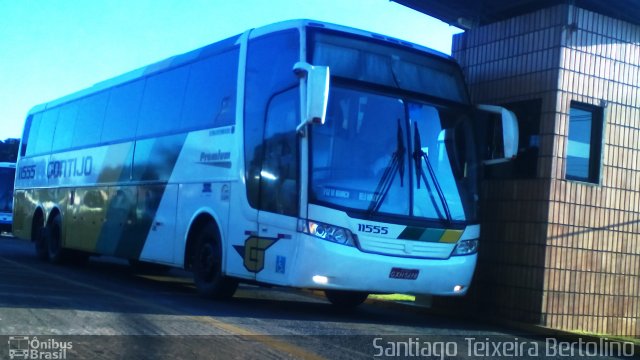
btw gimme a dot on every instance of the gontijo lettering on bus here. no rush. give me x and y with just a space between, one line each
73 167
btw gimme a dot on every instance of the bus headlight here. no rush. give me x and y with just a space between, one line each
327 232
466 247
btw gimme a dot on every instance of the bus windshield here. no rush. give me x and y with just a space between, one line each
379 154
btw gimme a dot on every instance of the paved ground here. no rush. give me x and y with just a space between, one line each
44 307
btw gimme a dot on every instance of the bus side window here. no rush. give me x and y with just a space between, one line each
210 98
63 135
29 129
122 112
88 124
41 143
279 174
161 106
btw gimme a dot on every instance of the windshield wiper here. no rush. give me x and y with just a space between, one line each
396 164
419 156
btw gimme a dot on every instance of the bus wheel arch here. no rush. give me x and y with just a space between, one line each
204 257
37 234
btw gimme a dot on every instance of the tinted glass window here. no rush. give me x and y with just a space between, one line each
431 132
385 64
584 143
31 129
63 136
211 92
25 135
279 174
88 124
380 154
44 138
270 61
363 137
122 112
162 102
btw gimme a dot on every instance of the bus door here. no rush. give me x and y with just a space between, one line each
279 190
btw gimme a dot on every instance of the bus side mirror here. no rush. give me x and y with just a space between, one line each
317 92
509 128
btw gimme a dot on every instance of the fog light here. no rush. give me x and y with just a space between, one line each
458 288
319 279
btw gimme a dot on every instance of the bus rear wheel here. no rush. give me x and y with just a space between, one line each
53 241
207 266
345 299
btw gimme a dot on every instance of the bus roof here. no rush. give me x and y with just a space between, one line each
221 46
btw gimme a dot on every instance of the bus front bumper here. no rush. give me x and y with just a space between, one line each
325 265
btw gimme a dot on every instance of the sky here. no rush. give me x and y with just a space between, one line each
51 48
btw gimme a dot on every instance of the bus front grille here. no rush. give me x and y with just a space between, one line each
406 248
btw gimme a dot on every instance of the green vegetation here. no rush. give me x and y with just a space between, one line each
9 150
393 297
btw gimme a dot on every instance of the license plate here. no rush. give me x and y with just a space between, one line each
404 274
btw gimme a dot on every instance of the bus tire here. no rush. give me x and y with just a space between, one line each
345 299
207 266
37 237
53 241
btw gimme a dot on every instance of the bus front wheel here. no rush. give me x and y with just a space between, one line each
345 299
207 266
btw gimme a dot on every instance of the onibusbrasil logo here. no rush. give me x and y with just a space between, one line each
25 347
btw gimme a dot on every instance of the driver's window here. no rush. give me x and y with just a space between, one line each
279 173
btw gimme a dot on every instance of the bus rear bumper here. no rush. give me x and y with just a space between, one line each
326 265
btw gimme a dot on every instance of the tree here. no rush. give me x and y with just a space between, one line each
9 150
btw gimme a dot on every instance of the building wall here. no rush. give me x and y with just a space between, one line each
558 252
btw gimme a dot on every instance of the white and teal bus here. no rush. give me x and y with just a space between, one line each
299 154
7 176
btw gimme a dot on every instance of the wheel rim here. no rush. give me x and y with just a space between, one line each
207 263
